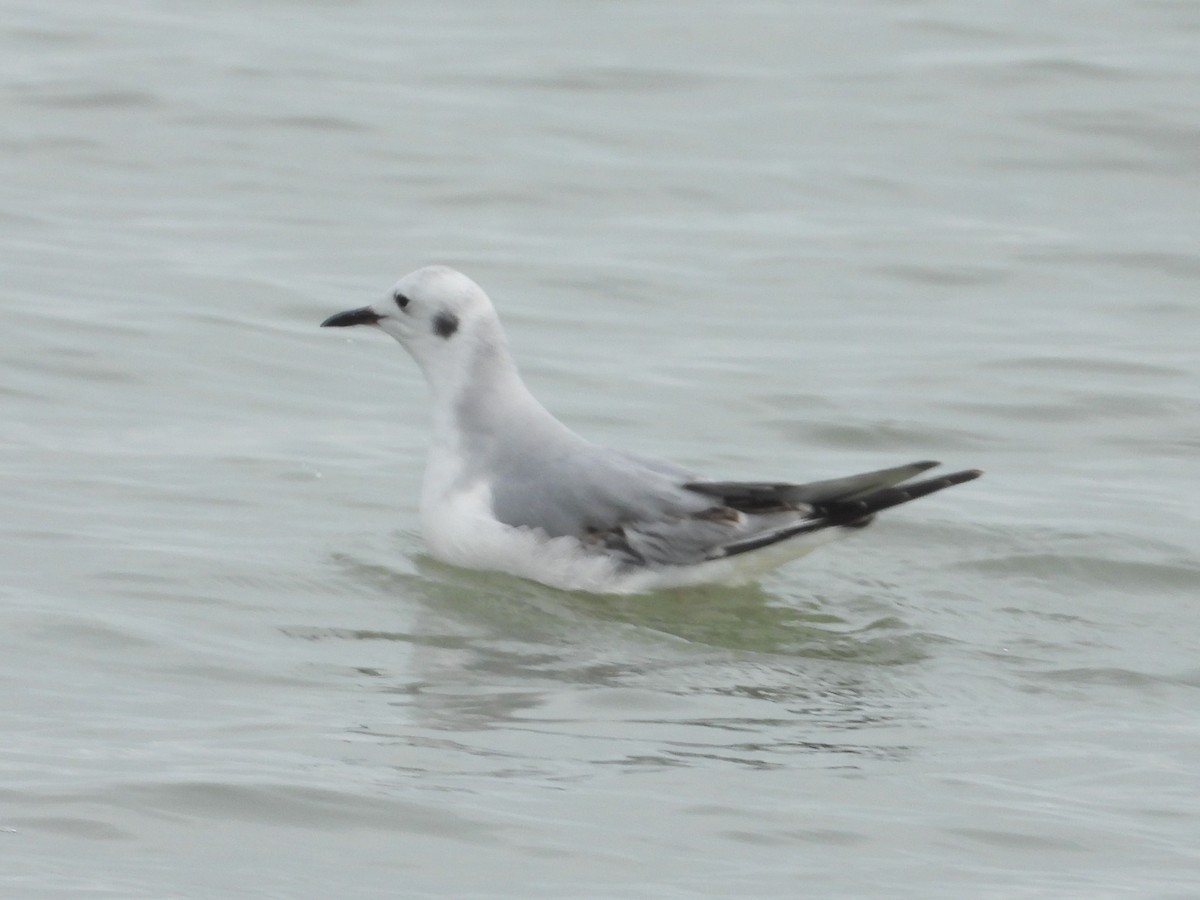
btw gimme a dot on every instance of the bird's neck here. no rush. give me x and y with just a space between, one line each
480 398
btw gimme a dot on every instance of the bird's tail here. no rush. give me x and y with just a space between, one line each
852 505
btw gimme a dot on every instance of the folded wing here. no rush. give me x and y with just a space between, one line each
747 516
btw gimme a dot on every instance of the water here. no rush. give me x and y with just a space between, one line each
767 240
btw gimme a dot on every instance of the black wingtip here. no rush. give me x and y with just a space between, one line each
855 513
903 493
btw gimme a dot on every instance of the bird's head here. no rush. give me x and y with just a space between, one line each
437 314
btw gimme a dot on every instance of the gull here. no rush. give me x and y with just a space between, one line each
510 488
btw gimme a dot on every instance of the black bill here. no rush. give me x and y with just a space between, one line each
363 316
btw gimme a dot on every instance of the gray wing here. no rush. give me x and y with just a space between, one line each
650 512
591 491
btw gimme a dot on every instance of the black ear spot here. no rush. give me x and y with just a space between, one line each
445 324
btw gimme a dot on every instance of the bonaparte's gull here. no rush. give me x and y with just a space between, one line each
510 488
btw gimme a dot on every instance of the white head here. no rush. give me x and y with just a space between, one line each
440 316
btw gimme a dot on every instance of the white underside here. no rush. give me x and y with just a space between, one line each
459 529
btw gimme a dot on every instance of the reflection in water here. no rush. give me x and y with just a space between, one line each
742 618
723 675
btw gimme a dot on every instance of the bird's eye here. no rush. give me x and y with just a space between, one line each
401 300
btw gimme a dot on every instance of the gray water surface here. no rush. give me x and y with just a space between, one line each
768 240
